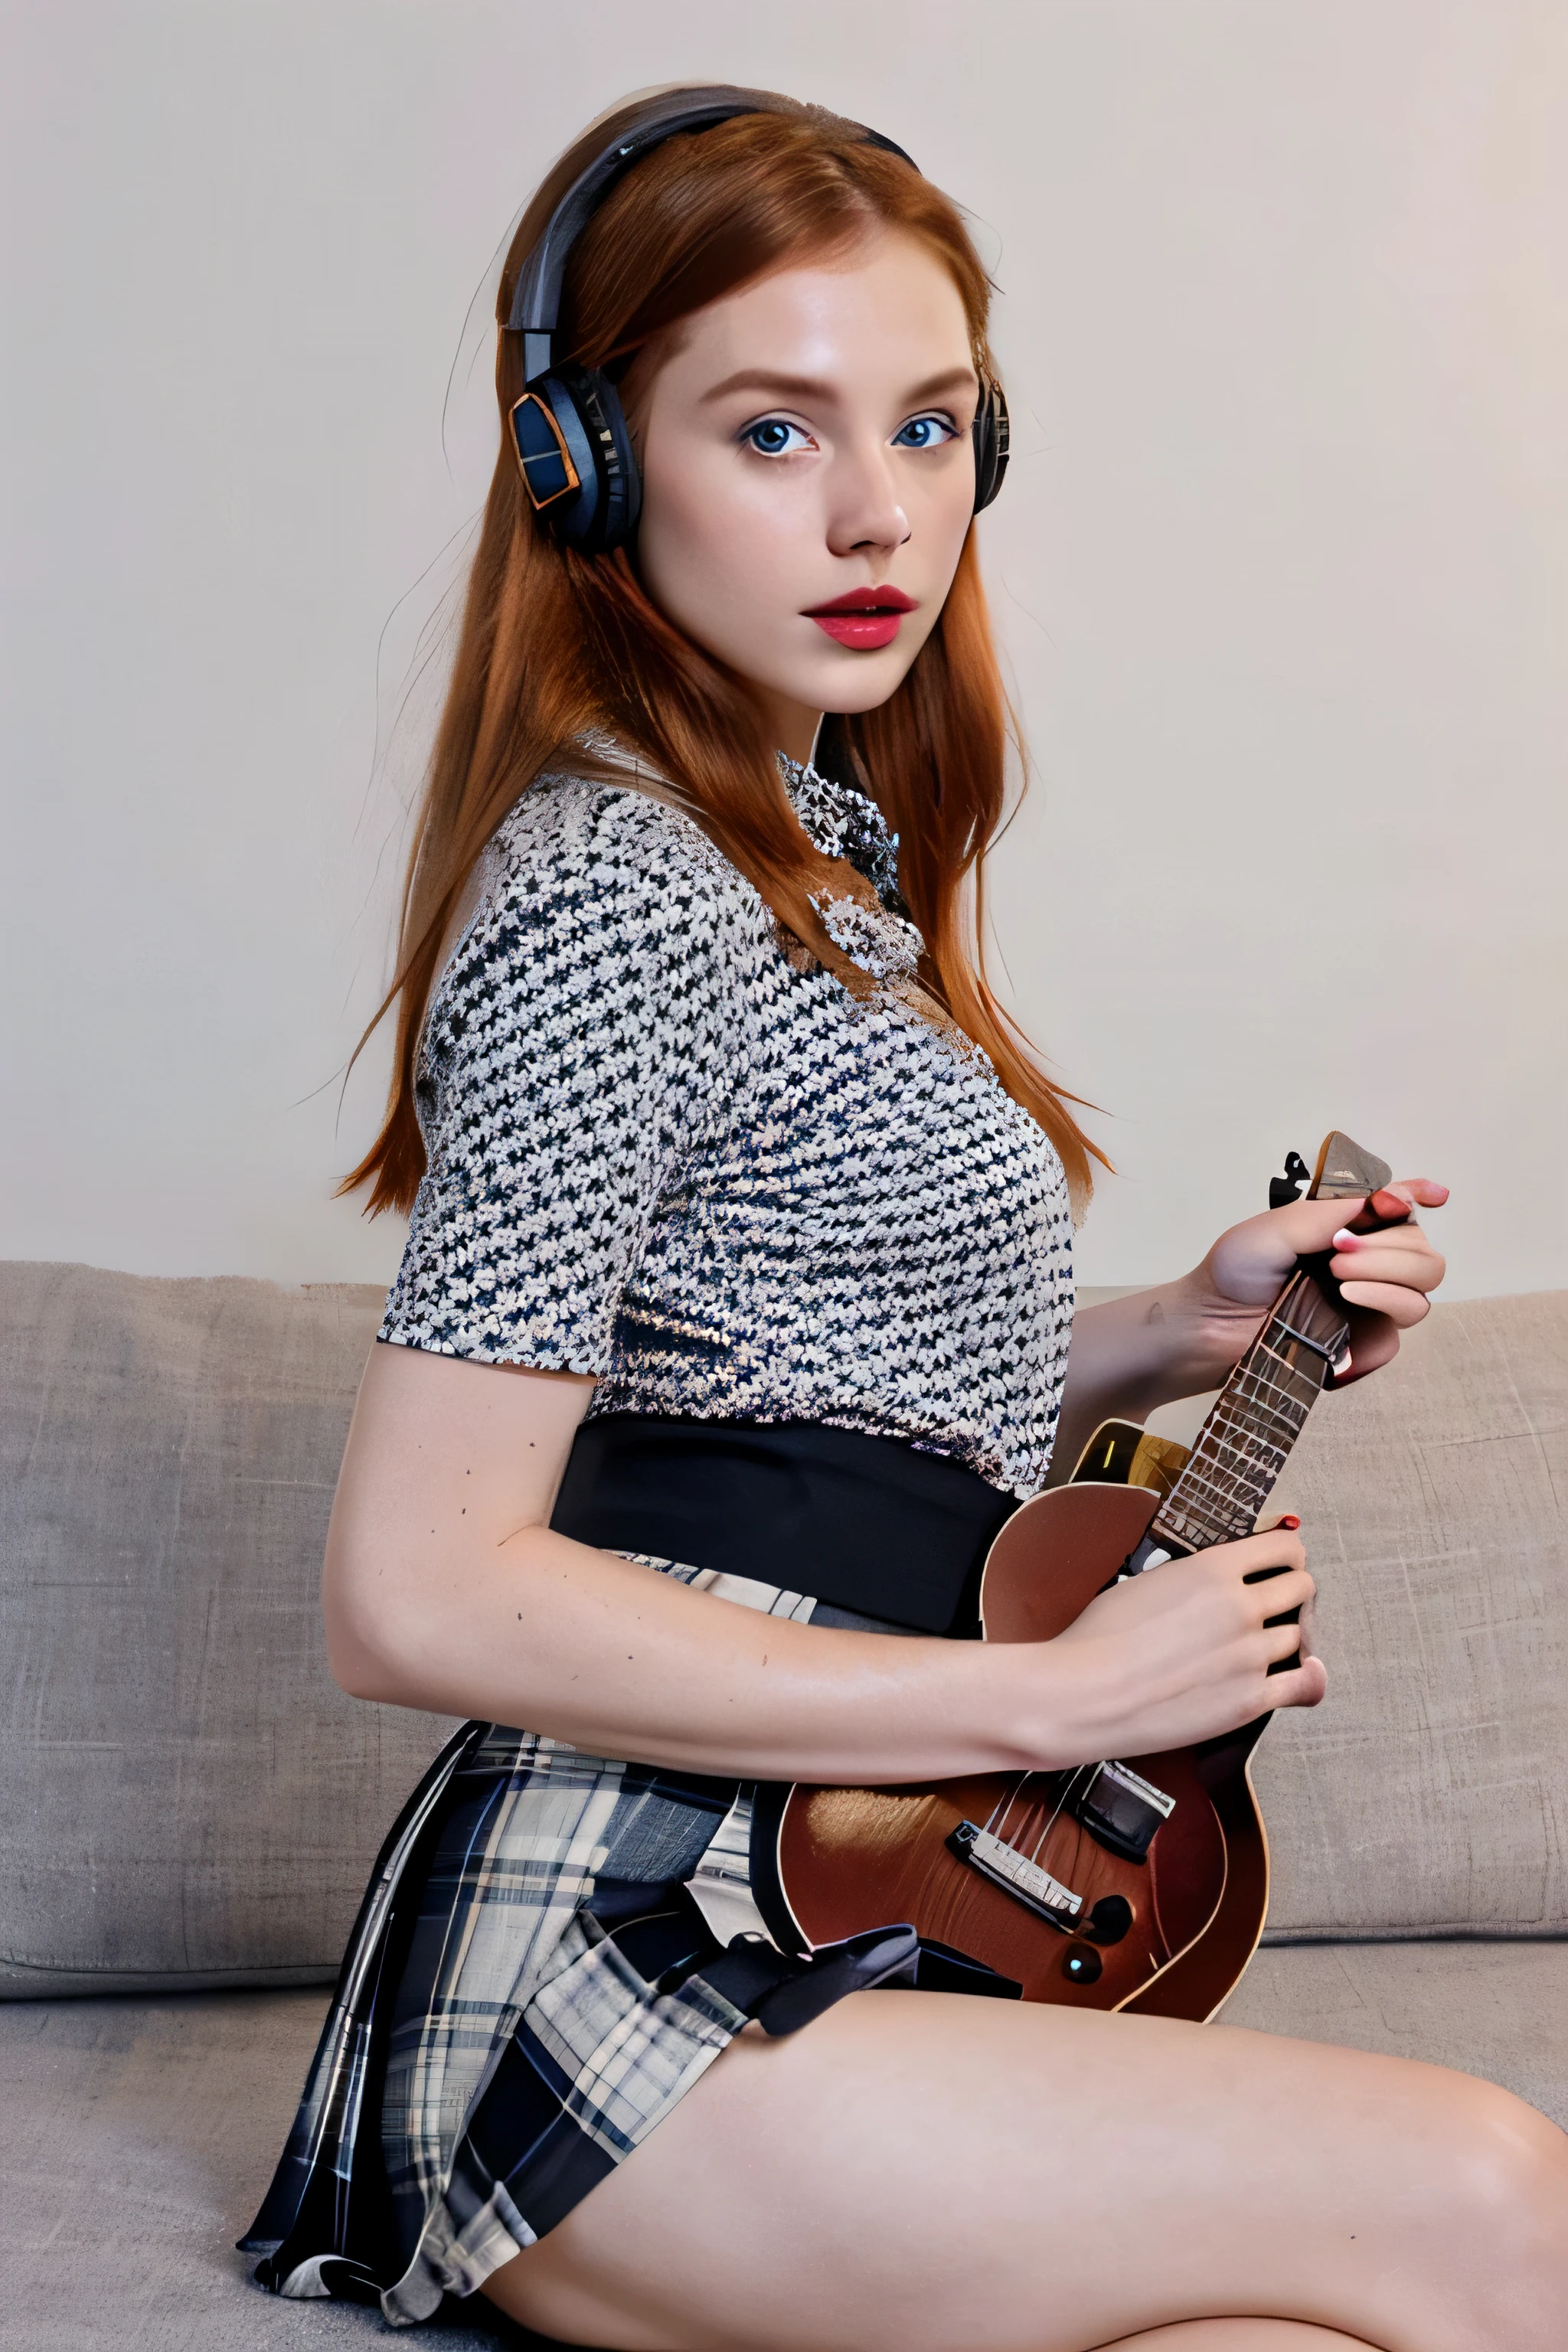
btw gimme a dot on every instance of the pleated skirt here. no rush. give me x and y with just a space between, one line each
553 1947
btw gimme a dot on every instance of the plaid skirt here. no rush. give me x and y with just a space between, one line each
553 1949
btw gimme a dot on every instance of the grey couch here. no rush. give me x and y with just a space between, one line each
188 1806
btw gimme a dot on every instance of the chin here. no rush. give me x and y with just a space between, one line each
857 682
866 694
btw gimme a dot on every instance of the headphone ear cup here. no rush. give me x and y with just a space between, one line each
588 411
991 437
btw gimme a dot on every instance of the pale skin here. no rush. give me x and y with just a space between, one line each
920 2172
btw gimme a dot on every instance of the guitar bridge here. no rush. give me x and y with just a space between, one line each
1016 1876
1122 1811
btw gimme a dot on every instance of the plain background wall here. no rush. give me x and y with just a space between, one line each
1280 570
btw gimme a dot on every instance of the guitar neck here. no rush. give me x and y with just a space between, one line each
1259 1415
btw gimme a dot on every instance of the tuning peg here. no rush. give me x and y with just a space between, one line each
1283 1190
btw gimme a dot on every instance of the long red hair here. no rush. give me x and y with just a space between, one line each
555 644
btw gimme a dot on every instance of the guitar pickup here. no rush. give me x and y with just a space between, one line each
1024 1880
1122 1811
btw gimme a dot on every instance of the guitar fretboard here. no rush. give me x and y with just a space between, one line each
1258 1416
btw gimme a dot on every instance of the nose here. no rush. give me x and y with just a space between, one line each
865 517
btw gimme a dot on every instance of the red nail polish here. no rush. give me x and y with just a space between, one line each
1291 1520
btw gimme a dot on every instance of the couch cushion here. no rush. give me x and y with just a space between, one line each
140 2137
1428 1794
1497 2009
161 2120
185 1796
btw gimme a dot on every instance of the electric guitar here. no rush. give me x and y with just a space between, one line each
1138 1885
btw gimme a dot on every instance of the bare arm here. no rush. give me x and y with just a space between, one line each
445 1588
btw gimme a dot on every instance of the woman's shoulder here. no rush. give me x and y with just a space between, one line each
615 850
595 892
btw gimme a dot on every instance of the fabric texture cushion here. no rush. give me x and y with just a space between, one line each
140 2136
1428 1794
186 1797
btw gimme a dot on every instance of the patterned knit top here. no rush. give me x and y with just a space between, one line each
669 1149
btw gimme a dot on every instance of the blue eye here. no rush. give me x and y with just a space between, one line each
925 433
772 437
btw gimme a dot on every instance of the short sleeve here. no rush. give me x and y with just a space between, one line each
583 1041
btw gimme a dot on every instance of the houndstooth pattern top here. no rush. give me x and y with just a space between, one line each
669 1149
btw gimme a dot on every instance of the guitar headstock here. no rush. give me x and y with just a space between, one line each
1343 1173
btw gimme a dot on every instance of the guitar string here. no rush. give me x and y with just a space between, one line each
1273 1400
1068 1788
1228 1470
1240 1453
1225 1509
1257 1457
993 1826
1286 1402
1069 1779
996 1822
1246 1424
1277 1429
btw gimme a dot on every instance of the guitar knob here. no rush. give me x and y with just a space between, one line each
1109 1921
1082 1965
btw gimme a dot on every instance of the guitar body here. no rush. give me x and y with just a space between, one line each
1140 1884
1188 1914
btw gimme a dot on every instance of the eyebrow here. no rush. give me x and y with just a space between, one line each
805 388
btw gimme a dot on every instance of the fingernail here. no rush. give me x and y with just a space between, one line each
1345 1240
1288 1519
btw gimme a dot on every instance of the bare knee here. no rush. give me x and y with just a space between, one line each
1503 2178
1512 2155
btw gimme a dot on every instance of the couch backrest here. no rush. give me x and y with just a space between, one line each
186 1797
1428 1794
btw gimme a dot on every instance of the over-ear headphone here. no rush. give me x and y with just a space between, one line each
569 429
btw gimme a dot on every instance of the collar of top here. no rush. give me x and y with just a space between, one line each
843 823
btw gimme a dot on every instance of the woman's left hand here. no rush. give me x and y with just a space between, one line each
1384 1276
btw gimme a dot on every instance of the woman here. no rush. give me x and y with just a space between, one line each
712 1133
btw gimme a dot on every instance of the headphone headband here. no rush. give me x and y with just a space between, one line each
536 299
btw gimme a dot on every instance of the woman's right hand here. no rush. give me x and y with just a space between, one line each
1181 1653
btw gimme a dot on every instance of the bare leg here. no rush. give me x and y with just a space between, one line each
918 2171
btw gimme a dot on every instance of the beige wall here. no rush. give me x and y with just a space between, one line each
1280 567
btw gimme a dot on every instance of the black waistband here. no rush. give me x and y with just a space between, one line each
866 1524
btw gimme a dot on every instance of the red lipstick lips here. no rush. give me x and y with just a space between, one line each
863 618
